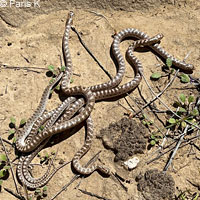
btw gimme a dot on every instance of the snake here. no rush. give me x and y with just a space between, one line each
22 134
91 93
22 169
136 64
25 160
99 92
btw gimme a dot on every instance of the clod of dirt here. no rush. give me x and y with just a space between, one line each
156 185
125 137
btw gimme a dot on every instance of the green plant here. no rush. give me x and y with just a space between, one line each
147 122
187 195
53 73
14 128
45 157
185 110
155 138
4 167
41 193
184 78
158 75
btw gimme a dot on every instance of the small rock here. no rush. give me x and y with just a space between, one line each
132 163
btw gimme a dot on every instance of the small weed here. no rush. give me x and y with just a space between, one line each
41 193
53 73
168 62
22 123
184 78
155 138
185 110
187 195
147 122
156 76
4 167
14 128
45 157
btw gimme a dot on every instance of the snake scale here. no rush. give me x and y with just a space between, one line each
30 139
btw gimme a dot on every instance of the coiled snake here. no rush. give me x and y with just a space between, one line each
30 139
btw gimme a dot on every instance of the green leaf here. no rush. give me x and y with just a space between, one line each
11 131
185 78
169 62
6 167
153 137
156 140
3 157
144 122
144 116
152 142
57 87
55 73
42 159
63 68
22 122
12 120
172 71
44 188
156 75
72 80
38 190
52 80
195 112
46 155
51 68
182 110
190 99
183 124
182 97
151 122
196 197
172 121
191 120
14 140
2 173
1 181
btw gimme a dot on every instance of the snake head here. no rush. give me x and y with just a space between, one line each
69 19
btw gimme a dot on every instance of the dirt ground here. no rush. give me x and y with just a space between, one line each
36 42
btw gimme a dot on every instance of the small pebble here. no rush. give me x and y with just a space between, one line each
132 163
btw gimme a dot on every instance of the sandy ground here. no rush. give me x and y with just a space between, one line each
37 43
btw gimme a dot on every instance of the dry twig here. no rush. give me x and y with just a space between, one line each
14 194
156 96
93 195
176 148
75 177
90 53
